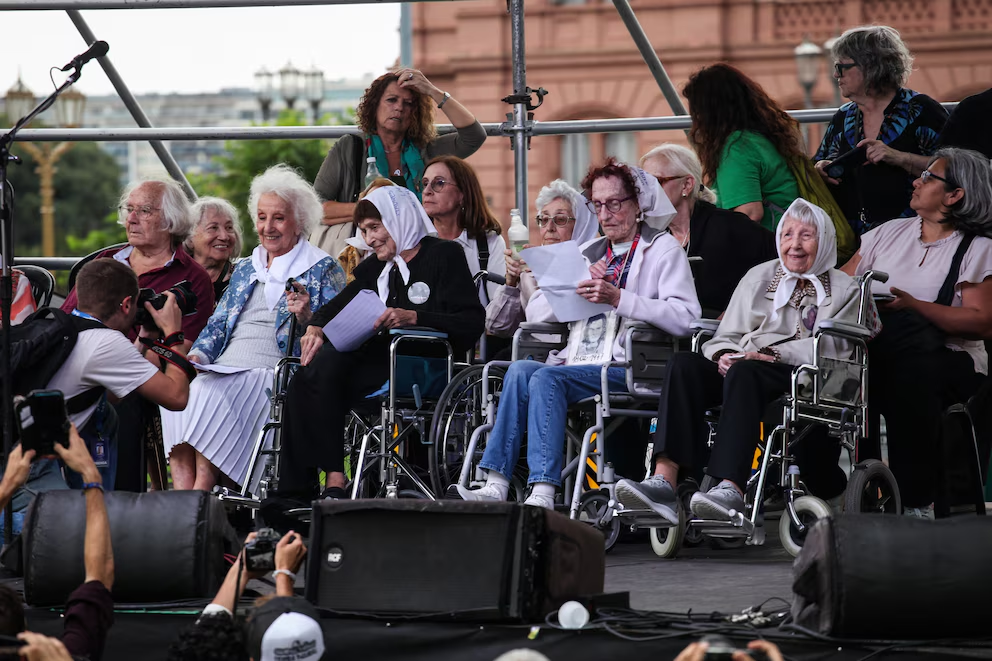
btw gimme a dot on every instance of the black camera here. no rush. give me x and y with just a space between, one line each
185 299
260 553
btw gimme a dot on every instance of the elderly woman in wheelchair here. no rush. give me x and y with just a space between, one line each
768 330
640 273
423 281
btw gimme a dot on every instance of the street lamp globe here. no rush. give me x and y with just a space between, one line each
289 84
808 63
69 108
315 91
264 91
18 101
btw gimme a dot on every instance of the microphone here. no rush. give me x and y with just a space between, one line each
98 49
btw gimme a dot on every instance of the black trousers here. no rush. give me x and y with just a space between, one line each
912 392
693 385
317 402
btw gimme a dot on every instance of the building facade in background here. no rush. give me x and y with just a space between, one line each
580 51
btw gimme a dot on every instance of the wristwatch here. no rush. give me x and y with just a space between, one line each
444 99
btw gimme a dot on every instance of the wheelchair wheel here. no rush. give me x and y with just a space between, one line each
685 489
872 489
592 506
459 411
667 542
810 509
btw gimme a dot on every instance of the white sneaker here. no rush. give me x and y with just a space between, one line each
925 513
540 500
488 492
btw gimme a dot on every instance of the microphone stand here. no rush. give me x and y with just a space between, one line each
7 280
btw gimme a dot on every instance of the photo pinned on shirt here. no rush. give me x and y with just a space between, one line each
590 341
808 314
418 293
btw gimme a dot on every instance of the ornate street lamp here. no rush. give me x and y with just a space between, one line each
289 84
68 113
264 91
314 88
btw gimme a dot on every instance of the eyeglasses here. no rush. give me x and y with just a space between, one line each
841 67
559 219
665 180
926 174
144 213
437 184
611 205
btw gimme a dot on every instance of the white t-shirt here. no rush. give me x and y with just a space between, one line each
497 260
101 357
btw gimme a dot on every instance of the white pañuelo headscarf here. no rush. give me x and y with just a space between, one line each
826 251
654 203
407 223
293 264
586 222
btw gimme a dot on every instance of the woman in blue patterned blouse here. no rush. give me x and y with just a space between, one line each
896 127
248 334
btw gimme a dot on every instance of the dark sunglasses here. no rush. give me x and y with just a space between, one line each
840 68
437 184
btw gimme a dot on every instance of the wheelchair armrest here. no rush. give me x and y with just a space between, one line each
707 325
418 331
543 327
844 329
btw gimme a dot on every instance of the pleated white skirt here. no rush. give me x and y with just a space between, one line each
223 418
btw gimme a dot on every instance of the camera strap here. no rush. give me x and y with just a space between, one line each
171 356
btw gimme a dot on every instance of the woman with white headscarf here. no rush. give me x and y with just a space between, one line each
562 215
423 281
640 273
249 332
766 332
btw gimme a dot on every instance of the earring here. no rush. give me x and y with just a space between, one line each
684 195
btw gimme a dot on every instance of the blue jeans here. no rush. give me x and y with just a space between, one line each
536 398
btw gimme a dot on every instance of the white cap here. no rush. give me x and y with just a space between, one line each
293 637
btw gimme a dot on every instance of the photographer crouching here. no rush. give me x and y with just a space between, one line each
104 366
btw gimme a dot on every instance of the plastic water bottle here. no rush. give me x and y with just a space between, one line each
371 171
518 232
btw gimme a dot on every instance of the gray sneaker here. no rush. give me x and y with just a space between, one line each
925 513
654 493
715 504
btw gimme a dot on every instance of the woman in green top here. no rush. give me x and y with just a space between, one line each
745 142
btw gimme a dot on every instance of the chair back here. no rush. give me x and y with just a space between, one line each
42 283
74 271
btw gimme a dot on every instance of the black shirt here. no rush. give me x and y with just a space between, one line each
970 125
875 193
730 243
452 305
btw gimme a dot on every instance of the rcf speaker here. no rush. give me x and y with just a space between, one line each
894 577
168 545
452 559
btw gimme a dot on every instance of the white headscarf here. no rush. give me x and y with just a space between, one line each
293 264
407 223
826 253
586 222
654 203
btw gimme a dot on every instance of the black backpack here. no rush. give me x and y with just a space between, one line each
40 345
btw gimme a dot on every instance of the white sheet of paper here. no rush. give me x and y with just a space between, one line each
350 327
559 268
220 369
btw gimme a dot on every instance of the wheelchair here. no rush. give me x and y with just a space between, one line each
829 392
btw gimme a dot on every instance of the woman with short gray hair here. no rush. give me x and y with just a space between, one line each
935 309
894 129
216 240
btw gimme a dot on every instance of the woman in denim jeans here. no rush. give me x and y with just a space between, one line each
640 271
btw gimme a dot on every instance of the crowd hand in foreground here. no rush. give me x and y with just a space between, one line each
290 553
42 648
758 648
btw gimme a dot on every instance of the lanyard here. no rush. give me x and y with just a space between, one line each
620 276
85 315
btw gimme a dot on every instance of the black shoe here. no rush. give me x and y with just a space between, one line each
334 493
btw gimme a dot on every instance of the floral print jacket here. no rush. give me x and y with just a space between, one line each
323 281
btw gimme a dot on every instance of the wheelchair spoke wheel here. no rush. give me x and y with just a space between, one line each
872 489
593 506
809 509
667 542
459 411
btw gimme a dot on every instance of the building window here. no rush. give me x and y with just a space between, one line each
574 157
622 146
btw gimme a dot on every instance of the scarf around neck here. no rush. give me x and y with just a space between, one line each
826 254
293 264
407 223
410 157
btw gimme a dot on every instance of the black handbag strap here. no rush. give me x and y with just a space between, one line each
482 245
358 147
946 294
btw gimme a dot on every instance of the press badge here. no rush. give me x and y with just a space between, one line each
418 293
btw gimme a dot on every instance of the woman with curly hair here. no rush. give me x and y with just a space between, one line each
896 128
396 115
745 141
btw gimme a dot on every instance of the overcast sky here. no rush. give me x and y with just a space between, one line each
200 50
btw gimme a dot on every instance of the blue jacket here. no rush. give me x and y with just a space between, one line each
323 282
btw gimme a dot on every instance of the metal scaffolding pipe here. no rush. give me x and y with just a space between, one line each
519 127
650 56
133 106
34 5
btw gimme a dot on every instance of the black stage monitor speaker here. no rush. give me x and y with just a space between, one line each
168 545
894 577
486 561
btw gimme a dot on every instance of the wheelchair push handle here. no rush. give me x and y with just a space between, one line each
489 277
